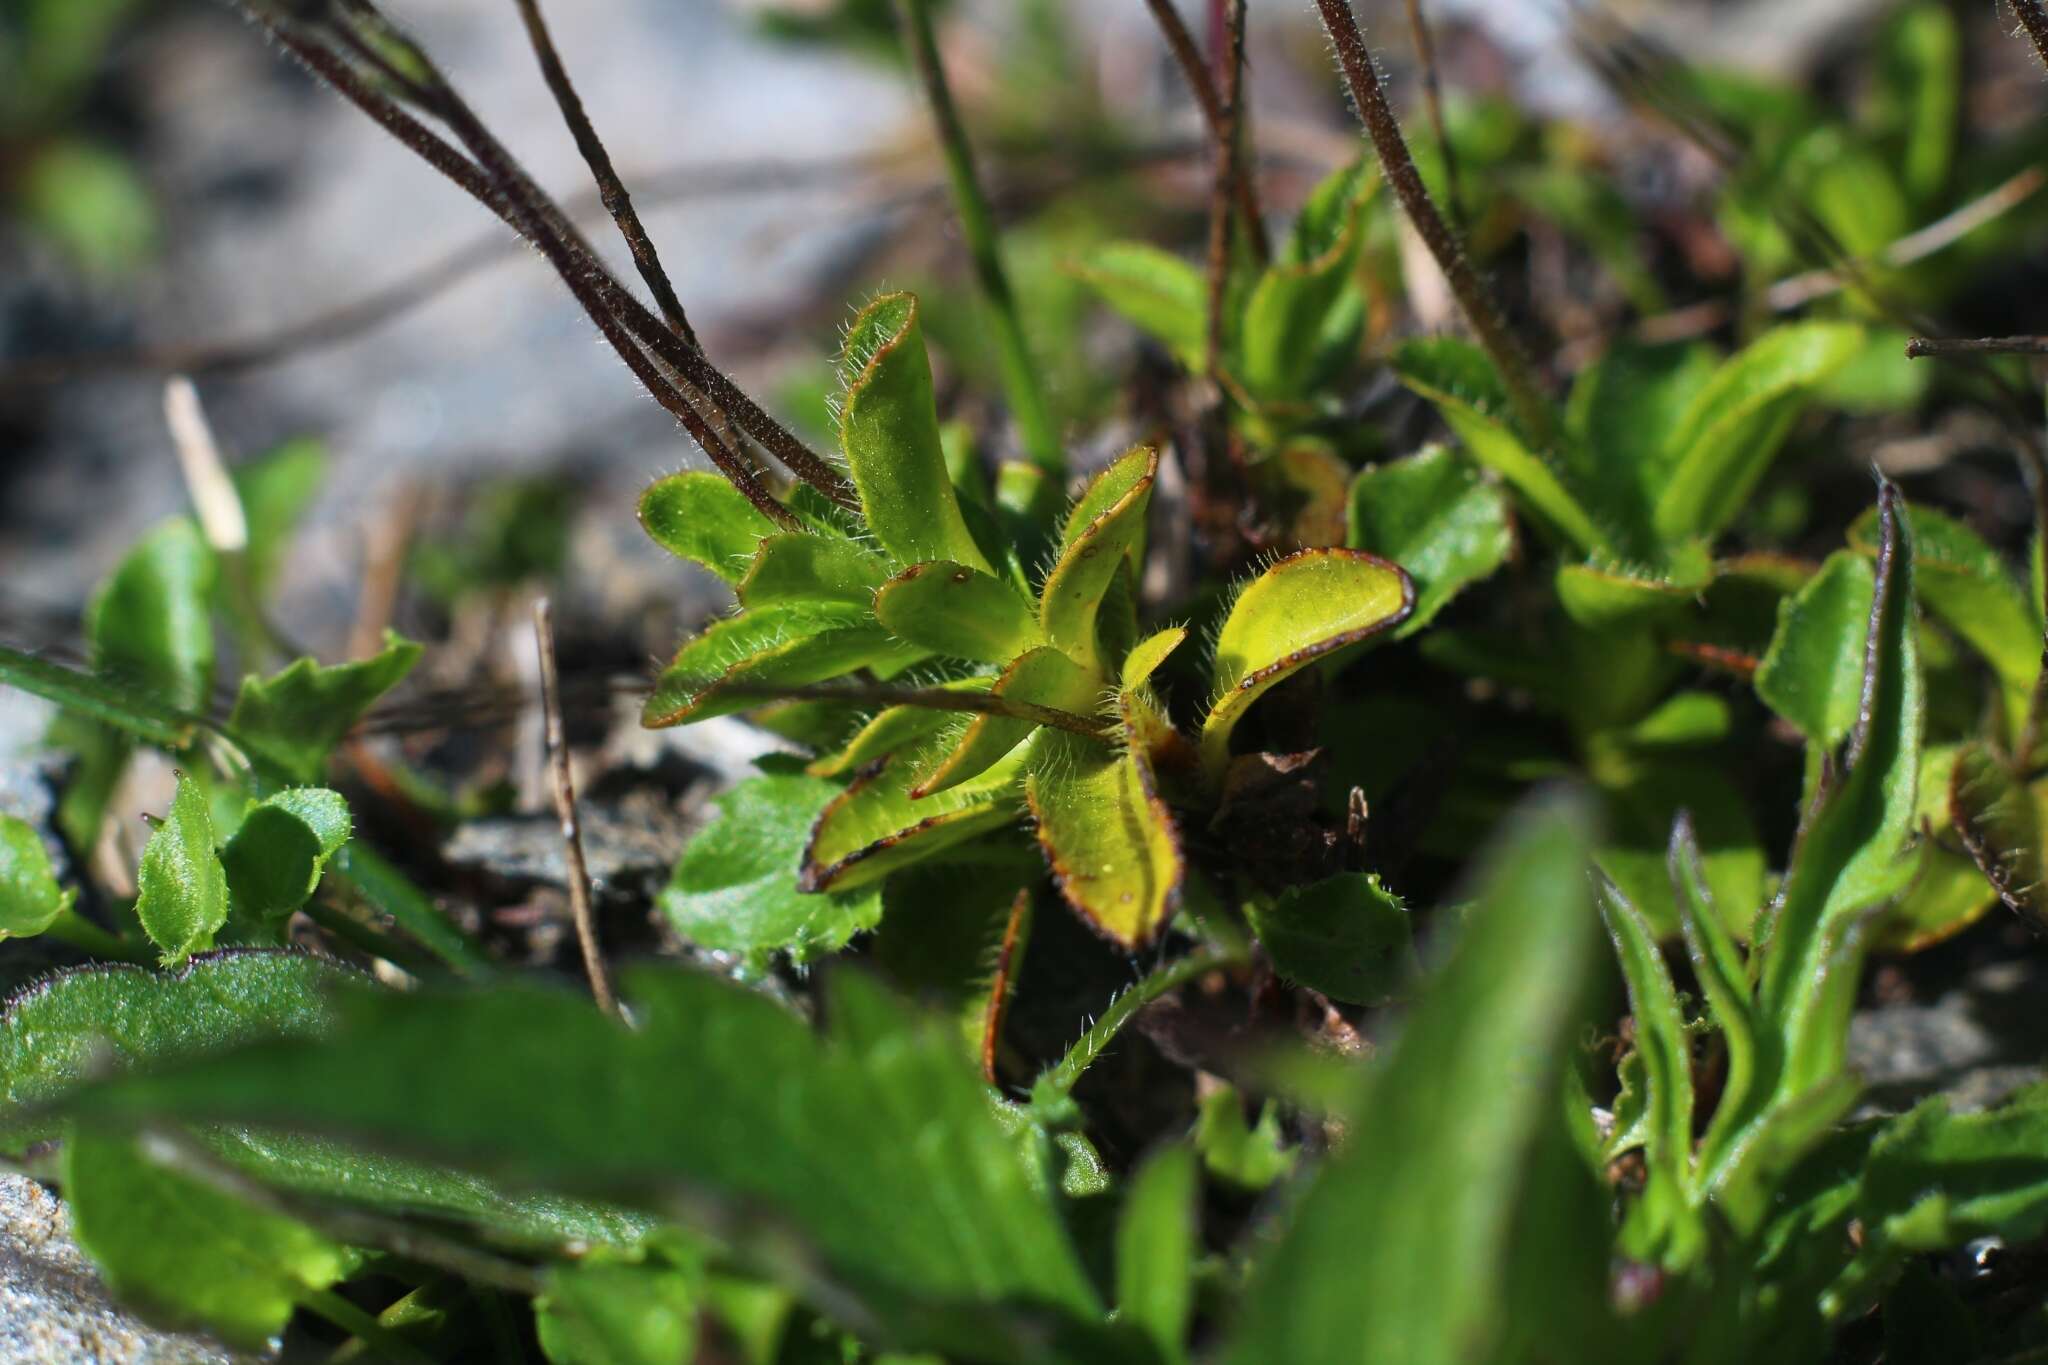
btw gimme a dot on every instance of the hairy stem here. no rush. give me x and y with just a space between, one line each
1195 71
1227 168
2034 16
1055 1086
927 698
1532 409
1433 103
1020 374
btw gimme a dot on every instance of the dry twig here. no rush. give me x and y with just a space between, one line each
564 786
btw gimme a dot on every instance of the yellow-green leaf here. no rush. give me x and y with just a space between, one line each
956 610
182 894
784 645
875 826
889 432
1305 607
700 517
1111 842
1106 524
1043 676
797 566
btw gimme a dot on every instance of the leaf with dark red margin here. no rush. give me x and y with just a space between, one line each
1107 523
1111 841
1308 605
875 826
1044 677
1999 821
952 609
787 644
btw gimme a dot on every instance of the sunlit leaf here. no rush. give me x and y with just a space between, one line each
182 893
804 567
1107 523
1112 843
701 517
1164 295
890 729
1813 673
875 826
954 610
1043 677
788 644
1305 607
275 859
1148 654
889 432
150 622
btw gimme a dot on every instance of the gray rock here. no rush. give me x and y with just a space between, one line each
1973 1043
54 1308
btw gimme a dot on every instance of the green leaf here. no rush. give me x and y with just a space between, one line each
700 517
1109 838
616 1310
125 707
942 941
1936 1179
954 610
182 892
1848 857
275 491
185 1253
1665 1051
150 622
86 1024
1640 811
1626 408
1249 1157
30 899
795 566
295 718
1347 936
1438 519
1305 313
1156 1247
788 644
1812 675
1106 525
1920 94
1162 294
1457 379
1600 596
735 888
1733 430
1304 607
1148 654
275 859
889 431
919 1207
1043 677
891 729
1963 581
875 826
1481 1059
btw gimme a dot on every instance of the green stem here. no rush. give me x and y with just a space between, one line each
368 941
384 886
1020 375
82 934
1055 1086
388 1345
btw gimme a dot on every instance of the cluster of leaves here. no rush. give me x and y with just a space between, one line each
974 657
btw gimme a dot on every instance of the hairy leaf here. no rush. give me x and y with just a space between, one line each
891 729
1438 519
806 567
735 888
275 859
1307 606
889 431
954 610
1111 842
788 644
124 707
1813 673
1106 525
875 826
1043 677
701 517
2000 822
182 892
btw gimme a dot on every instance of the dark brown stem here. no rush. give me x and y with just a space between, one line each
1433 103
1920 347
1532 410
563 783
1220 195
609 187
2034 16
1189 58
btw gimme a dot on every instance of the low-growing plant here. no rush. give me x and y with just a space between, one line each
288 1092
